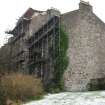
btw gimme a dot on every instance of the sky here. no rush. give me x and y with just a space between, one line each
11 10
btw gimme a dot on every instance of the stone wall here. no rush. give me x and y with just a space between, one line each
86 48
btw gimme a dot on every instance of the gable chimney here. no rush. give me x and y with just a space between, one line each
85 6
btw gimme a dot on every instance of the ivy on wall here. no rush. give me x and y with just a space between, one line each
61 59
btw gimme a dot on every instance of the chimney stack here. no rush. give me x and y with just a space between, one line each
85 6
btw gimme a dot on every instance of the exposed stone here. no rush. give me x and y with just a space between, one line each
86 47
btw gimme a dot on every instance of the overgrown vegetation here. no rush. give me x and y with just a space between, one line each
24 87
61 60
19 87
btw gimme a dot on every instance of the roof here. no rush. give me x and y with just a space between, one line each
26 17
28 13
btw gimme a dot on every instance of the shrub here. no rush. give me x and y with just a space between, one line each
19 87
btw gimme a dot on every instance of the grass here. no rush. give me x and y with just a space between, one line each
20 87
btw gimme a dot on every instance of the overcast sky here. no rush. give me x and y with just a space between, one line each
11 10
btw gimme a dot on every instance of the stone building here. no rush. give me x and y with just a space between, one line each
86 49
33 41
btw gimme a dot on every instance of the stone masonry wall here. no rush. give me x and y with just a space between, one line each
86 48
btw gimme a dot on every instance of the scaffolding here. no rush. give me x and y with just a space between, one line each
42 48
37 52
17 44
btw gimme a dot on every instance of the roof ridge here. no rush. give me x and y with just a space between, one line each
70 12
